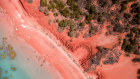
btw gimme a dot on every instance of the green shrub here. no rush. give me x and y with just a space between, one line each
43 2
89 17
57 20
136 60
127 15
115 1
103 3
52 5
60 5
71 33
134 5
63 23
65 12
82 24
71 2
46 12
72 27
123 6
118 28
127 46
100 19
91 30
55 14
91 9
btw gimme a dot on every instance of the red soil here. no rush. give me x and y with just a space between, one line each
80 48
45 45
89 44
124 69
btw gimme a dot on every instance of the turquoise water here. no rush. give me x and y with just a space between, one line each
27 61
6 64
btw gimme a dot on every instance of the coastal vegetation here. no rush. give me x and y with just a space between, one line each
75 17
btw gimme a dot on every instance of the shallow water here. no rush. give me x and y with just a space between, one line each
28 63
6 65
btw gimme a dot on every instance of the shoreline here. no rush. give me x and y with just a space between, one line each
28 39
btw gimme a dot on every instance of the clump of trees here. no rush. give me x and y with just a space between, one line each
134 5
123 6
135 60
76 11
56 14
89 18
126 46
65 12
91 9
91 30
63 23
43 2
100 19
115 1
103 3
82 24
136 19
92 12
118 28
71 33
46 12
130 42
127 16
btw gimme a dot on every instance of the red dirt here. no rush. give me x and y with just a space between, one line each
45 45
124 69
89 44
80 45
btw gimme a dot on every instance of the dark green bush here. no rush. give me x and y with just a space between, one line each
134 5
60 5
72 27
123 6
118 28
115 1
136 10
127 15
72 15
128 45
55 14
65 12
71 2
133 41
63 23
82 24
71 33
103 3
91 9
100 19
91 30
89 17
129 48
136 19
57 20
136 60
52 5
43 2
76 11
46 12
